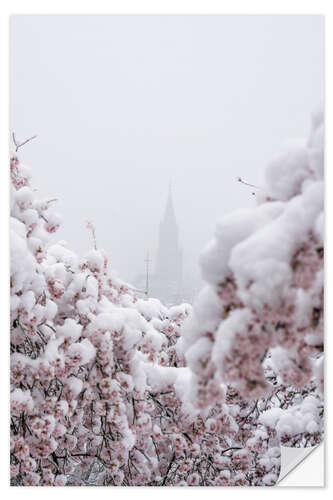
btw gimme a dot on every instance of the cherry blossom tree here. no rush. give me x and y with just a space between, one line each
79 341
257 326
109 388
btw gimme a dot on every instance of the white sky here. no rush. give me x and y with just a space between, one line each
121 104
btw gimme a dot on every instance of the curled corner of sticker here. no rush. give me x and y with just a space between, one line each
299 469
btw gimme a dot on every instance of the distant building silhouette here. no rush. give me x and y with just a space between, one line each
166 279
166 282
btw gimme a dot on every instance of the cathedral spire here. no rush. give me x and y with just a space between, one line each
168 269
169 209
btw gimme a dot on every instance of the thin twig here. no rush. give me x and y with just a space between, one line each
18 145
170 464
247 183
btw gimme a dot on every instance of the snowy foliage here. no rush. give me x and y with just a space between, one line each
108 388
258 323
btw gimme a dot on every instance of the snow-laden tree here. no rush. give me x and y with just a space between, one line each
106 387
257 326
79 341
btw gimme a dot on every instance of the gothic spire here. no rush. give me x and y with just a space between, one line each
169 213
168 270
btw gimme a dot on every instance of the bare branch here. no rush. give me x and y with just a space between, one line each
14 140
18 144
247 183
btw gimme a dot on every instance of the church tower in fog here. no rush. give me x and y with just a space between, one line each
167 282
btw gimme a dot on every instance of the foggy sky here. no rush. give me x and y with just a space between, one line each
124 104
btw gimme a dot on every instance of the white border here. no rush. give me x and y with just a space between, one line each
131 7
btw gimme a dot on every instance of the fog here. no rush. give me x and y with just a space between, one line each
124 104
